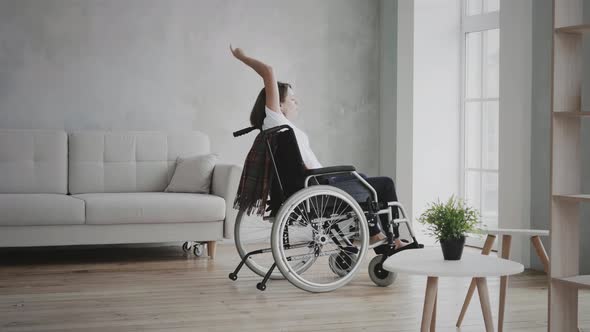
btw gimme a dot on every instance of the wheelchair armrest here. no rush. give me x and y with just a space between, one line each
277 128
329 170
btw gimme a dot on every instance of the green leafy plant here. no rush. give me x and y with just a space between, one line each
450 220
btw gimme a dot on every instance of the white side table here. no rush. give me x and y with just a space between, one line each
429 262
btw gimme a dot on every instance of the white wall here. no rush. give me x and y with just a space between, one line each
165 65
388 87
437 107
514 195
404 125
428 103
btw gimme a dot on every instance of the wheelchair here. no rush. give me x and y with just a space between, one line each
316 235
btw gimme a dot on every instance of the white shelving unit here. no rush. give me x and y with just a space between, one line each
566 168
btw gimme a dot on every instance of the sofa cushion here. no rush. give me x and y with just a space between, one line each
193 175
150 208
119 162
33 161
40 210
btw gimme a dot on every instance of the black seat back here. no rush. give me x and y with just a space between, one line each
289 166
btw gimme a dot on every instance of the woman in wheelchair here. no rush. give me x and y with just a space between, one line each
276 105
319 222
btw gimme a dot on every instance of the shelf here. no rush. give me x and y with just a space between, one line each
577 198
566 163
575 29
571 114
581 281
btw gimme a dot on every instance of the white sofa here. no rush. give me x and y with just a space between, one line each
107 188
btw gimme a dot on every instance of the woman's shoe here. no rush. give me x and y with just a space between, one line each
400 243
377 238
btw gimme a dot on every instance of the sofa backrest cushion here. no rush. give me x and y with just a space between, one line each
33 161
128 161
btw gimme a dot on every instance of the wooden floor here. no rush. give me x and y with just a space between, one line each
163 289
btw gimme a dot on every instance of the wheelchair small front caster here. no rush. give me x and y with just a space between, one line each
260 286
378 274
186 247
198 250
233 276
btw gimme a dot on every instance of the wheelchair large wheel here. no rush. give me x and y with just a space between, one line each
324 223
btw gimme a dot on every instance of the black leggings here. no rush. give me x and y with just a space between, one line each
385 189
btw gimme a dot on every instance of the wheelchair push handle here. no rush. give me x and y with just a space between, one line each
266 132
243 131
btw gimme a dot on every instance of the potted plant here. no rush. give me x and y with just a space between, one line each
448 223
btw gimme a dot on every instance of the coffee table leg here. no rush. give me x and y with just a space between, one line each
484 299
433 321
536 240
506 242
429 303
487 247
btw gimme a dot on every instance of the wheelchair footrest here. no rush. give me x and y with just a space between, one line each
389 251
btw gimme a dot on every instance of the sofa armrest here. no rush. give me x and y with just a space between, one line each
226 179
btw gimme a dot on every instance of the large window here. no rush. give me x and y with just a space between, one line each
480 100
479 7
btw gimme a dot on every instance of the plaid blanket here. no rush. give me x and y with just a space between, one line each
256 178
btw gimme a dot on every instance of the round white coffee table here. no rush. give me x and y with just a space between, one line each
429 262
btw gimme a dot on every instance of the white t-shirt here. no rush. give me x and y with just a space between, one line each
274 119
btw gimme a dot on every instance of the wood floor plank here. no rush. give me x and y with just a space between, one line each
163 289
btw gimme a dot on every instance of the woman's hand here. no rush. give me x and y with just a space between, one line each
237 52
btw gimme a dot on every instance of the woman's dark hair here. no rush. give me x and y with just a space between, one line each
258 113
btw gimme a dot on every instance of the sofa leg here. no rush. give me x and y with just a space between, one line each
211 246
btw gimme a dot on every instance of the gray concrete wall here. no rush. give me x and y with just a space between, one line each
165 65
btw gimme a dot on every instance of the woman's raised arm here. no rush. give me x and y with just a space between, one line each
267 73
